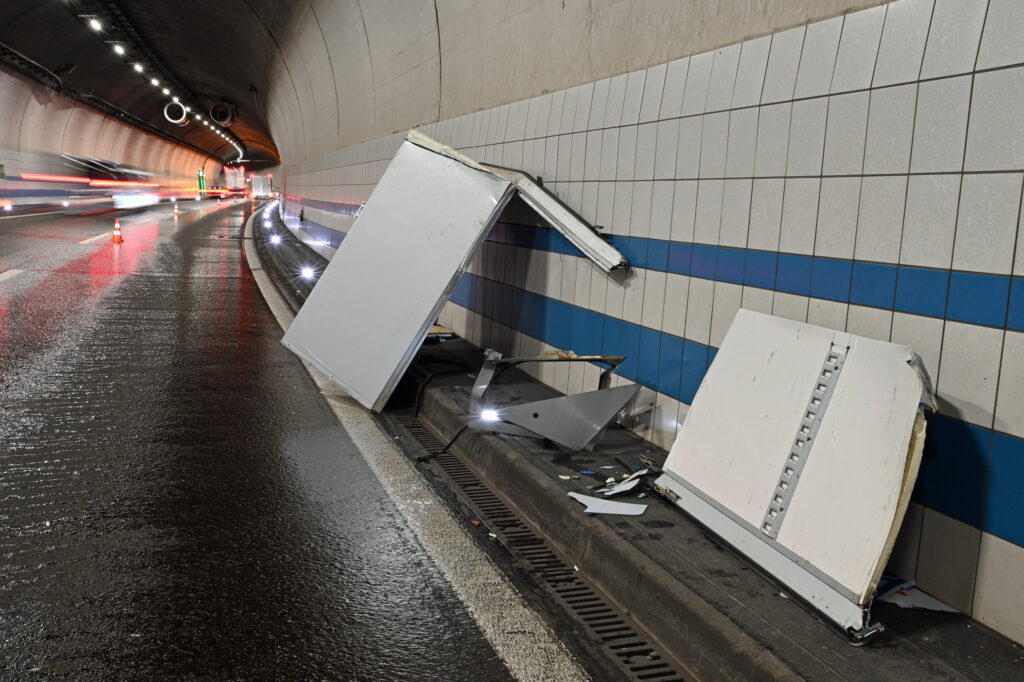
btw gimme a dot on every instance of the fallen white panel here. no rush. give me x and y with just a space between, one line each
563 219
378 297
596 505
800 449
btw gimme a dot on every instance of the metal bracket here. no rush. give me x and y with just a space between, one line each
804 440
572 421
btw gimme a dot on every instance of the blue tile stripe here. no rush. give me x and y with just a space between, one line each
977 298
329 206
971 473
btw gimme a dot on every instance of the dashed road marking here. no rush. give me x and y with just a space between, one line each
8 274
98 237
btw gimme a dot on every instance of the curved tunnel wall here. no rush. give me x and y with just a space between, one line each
861 172
37 125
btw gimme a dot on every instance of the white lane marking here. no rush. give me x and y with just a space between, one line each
98 237
29 215
520 636
8 274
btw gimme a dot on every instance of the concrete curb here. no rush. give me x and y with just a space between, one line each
710 645
521 637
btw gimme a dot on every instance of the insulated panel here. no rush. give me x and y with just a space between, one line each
378 297
801 441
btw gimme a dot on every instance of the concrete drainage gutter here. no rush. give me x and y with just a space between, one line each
708 643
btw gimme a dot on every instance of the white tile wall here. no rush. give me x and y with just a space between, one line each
930 220
868 163
807 136
858 49
947 563
799 215
783 63
999 593
750 72
987 225
837 217
818 59
773 125
940 127
994 141
953 37
890 129
1000 43
1010 400
879 225
969 371
903 38
845 133
830 314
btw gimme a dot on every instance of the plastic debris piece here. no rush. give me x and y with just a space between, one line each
610 466
623 487
596 505
587 471
564 477
475 522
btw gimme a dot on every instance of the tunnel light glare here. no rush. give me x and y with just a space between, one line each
276 239
175 100
65 204
489 415
95 25
308 272
155 82
166 91
138 68
8 207
119 49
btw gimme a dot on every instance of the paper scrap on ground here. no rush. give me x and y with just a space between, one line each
595 505
908 596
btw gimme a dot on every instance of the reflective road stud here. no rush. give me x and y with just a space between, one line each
117 232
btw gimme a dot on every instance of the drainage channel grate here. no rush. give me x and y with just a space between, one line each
620 638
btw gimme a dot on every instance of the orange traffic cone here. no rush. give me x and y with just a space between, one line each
176 214
117 232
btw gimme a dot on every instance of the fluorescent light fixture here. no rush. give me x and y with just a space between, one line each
308 272
95 25
275 239
119 49
489 415
166 91
174 99
155 82
138 67
65 204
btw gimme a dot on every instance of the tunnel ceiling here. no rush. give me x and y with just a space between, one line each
208 52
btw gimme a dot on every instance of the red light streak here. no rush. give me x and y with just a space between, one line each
40 177
121 183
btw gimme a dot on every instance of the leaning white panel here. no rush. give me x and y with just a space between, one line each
376 300
800 450
559 216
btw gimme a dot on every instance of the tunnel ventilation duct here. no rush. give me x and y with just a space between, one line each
176 114
224 113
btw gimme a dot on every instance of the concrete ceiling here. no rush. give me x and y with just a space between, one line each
208 51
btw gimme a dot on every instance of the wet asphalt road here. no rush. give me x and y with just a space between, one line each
176 499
